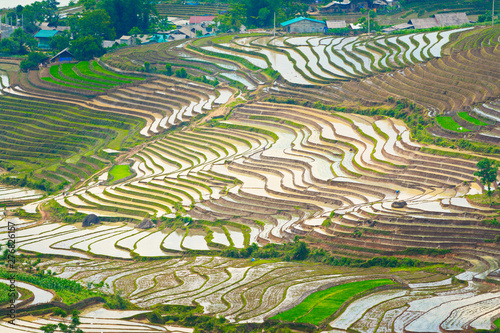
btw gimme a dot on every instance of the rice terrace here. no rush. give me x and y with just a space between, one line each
250 166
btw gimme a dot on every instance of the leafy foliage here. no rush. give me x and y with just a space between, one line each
18 43
487 173
34 59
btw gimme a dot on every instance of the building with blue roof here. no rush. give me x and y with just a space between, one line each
44 37
302 25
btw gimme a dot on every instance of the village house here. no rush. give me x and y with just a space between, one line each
205 20
44 37
63 56
336 24
440 20
304 25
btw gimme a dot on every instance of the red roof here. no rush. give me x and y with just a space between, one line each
200 19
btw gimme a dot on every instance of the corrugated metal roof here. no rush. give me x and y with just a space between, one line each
298 19
336 24
201 19
449 19
424 23
46 33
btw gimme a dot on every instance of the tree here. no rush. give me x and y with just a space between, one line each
18 43
88 4
127 14
168 67
95 23
301 251
234 19
60 41
182 73
134 31
34 59
487 173
85 48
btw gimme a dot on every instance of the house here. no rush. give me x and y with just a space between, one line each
60 28
450 19
342 6
62 56
336 24
357 26
440 20
205 19
127 40
177 21
303 25
44 37
108 43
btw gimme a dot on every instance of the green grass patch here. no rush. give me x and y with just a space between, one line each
321 305
497 323
69 291
465 116
98 68
448 123
51 80
67 70
84 68
119 172
4 293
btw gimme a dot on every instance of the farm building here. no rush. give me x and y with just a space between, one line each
44 37
440 20
304 25
205 19
336 24
63 56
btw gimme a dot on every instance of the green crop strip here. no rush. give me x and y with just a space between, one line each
465 116
321 305
119 172
68 70
84 68
98 68
70 291
448 123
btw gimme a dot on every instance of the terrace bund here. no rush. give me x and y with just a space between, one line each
263 172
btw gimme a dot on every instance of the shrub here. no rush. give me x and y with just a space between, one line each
34 59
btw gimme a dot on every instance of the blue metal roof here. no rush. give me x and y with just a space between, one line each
298 19
46 33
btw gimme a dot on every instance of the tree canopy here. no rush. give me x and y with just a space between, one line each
127 14
487 173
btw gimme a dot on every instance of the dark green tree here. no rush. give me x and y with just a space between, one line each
182 73
34 59
487 173
18 43
85 48
96 23
301 251
126 14
168 67
60 41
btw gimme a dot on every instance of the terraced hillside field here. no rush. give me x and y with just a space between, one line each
186 10
350 200
247 292
279 171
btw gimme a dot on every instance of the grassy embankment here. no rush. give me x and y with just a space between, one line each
321 305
